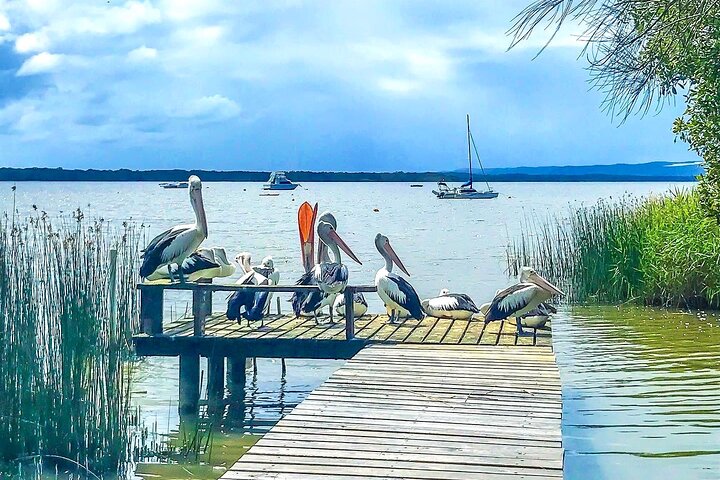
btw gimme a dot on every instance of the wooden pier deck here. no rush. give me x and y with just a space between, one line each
287 336
422 411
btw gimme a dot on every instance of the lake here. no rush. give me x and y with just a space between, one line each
641 389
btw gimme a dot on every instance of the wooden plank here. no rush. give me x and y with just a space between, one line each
422 411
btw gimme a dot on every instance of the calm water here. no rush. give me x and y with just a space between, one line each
641 388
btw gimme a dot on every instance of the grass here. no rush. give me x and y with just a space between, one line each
662 251
65 323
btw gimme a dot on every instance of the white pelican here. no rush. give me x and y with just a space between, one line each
360 305
450 305
521 298
330 276
267 269
399 297
174 245
202 264
247 304
538 317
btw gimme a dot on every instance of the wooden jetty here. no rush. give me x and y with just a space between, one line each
422 412
430 399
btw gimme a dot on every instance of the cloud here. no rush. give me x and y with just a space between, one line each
296 84
41 63
141 54
4 23
211 108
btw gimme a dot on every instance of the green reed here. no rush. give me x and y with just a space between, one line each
64 334
656 251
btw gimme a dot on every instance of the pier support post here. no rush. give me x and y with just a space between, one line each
189 384
237 375
216 384
349 313
236 378
151 310
202 307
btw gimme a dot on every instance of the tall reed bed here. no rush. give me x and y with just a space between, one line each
657 251
64 333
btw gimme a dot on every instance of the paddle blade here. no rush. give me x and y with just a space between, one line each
306 227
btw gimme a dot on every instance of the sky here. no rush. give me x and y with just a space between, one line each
287 84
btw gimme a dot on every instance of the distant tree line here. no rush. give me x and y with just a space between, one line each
125 175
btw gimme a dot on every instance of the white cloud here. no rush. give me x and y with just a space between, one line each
141 54
211 108
41 63
396 85
32 42
4 23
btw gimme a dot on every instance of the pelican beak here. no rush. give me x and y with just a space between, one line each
306 226
396 260
541 282
341 243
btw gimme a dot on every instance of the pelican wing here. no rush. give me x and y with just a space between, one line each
331 273
156 253
238 302
404 295
199 260
302 302
453 301
511 300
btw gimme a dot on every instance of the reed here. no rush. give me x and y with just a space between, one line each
656 251
65 329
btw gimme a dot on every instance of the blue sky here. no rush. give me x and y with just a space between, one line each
324 85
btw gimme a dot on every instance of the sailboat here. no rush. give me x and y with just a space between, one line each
466 190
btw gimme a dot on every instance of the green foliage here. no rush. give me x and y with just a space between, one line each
64 387
656 251
649 52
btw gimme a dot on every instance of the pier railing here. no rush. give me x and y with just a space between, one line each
152 302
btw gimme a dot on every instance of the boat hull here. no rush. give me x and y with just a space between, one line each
465 196
280 186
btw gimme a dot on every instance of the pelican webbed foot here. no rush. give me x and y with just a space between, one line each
520 331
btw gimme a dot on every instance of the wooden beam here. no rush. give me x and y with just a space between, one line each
201 308
189 384
349 313
216 384
151 311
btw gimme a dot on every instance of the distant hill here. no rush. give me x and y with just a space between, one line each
650 169
654 171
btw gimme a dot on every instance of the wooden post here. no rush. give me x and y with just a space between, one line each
151 310
237 375
216 384
202 307
349 313
189 384
279 310
236 378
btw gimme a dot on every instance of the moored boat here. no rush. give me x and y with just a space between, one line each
279 181
174 184
466 190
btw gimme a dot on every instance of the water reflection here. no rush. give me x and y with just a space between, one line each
641 393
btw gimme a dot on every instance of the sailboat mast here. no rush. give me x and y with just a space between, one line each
468 140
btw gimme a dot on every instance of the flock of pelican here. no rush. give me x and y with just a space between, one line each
176 255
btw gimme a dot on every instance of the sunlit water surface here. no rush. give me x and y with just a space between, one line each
641 390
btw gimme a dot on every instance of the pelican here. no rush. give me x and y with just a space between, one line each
202 264
450 305
250 305
267 269
520 299
360 305
399 297
330 276
176 244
